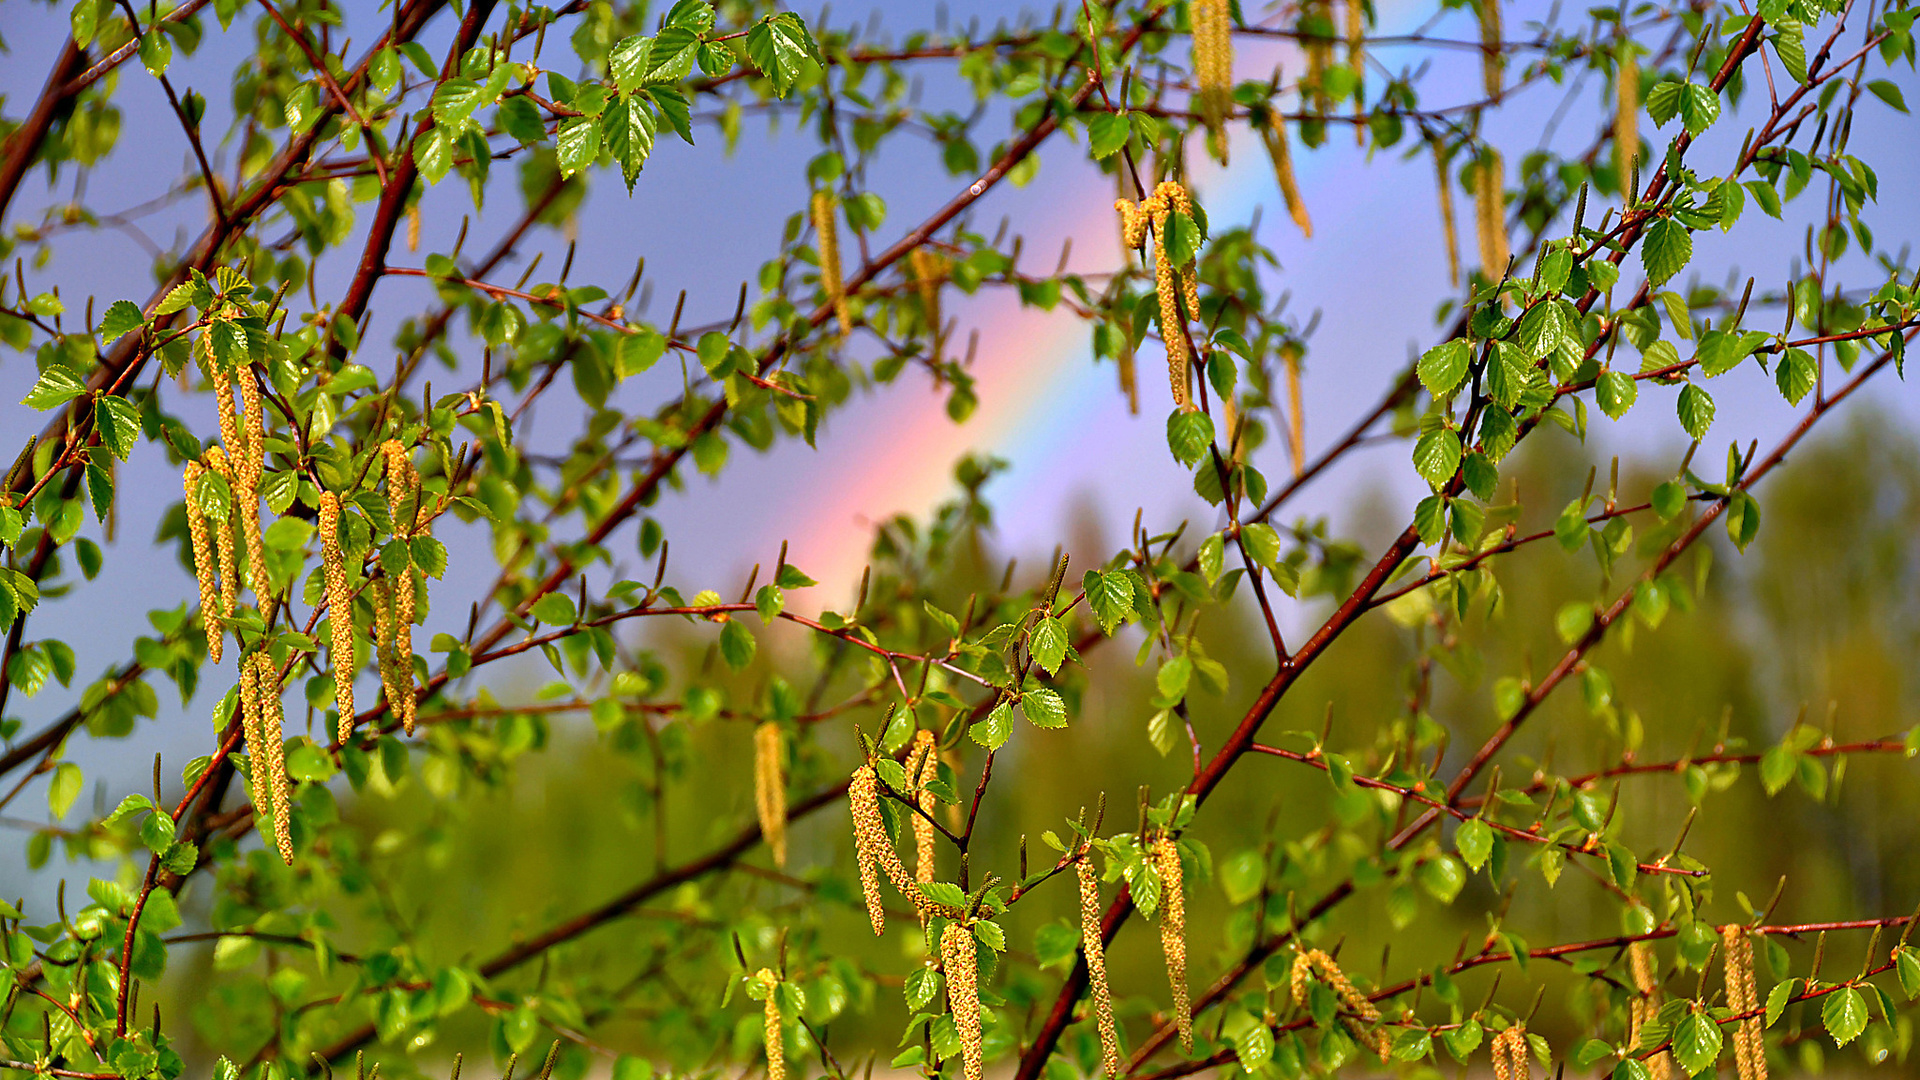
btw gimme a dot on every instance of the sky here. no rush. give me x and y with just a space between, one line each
1374 272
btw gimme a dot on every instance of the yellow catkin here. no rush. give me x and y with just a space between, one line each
1490 213
924 838
1167 286
205 564
271 753
230 435
413 228
827 227
1274 134
1749 1039
770 788
1319 51
1297 978
1447 227
250 728
1357 60
1095 949
1349 995
869 832
1493 57
776 1039
1646 1004
929 271
403 504
246 471
963 995
223 539
1213 68
1133 222
380 591
1510 1054
333 565
1173 931
1291 355
1180 200
1626 115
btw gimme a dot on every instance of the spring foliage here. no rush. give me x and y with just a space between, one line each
338 872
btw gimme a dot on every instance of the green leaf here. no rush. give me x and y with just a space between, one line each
577 144
1666 250
1107 133
1743 519
781 48
1669 498
1188 435
55 387
1262 542
554 610
993 731
1890 93
433 153
1442 367
1043 708
121 318
1699 108
1696 410
119 424
737 644
1908 964
1048 641
454 101
64 788
628 126
1696 1043
156 53
1845 1015
629 61
1474 842
1437 455
1616 392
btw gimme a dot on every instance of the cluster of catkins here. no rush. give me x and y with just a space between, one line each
1510 1054
1749 1041
1177 287
1308 961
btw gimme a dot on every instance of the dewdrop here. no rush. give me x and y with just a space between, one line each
963 995
333 563
827 227
1173 931
1095 949
205 566
770 788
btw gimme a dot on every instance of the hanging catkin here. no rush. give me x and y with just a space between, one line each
1749 1039
1318 45
413 227
1291 355
775 1038
1626 113
1510 1054
333 566
246 471
250 727
869 834
205 567
928 756
963 995
1645 1005
1350 996
825 225
1092 944
1181 201
1173 931
929 268
1213 68
230 436
770 788
1357 60
223 538
1452 234
1274 134
1490 213
272 752
1168 288
1297 978
1493 57
403 502
380 591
